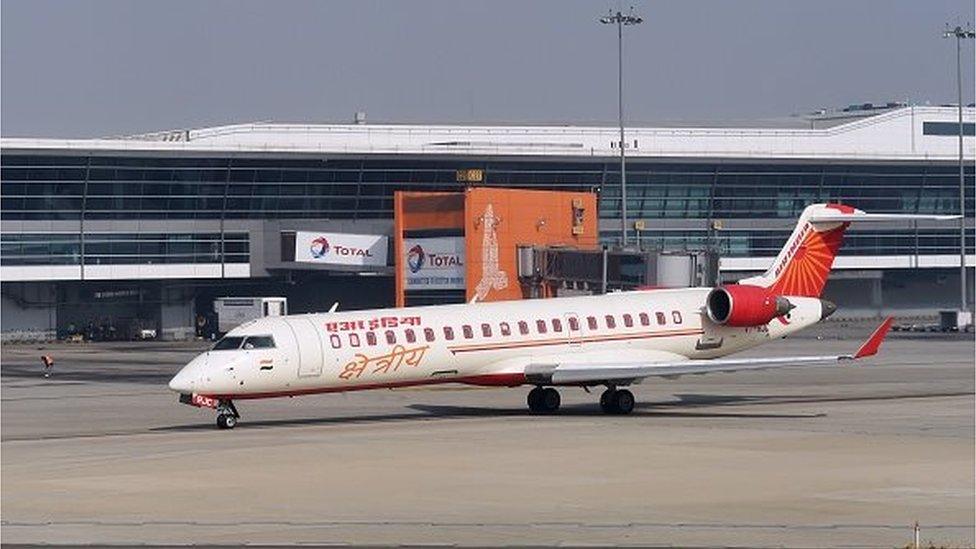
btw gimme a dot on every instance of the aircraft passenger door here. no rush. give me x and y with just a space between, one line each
574 330
310 352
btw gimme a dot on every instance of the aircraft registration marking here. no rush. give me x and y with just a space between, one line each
203 401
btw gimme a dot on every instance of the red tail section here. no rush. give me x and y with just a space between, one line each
806 272
802 266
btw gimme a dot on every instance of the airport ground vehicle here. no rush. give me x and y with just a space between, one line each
234 311
612 340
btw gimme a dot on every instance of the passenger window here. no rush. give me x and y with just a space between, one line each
486 330
676 317
259 342
540 325
573 324
467 331
504 329
370 338
336 342
448 333
411 337
557 325
591 322
645 320
611 322
390 337
354 340
628 320
429 334
523 327
660 318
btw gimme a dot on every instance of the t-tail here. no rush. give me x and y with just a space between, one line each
804 263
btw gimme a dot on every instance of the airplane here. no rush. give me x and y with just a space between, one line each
613 340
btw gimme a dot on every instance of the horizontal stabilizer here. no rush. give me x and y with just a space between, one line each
831 216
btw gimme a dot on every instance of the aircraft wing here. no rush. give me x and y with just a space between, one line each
622 371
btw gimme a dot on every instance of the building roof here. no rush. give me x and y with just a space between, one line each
895 134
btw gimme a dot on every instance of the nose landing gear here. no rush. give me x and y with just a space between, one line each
227 415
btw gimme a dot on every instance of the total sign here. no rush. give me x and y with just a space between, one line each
434 263
340 248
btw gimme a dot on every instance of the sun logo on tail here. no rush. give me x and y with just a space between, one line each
804 269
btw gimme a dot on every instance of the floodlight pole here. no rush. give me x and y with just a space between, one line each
620 20
959 34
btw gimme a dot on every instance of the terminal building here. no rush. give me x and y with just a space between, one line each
148 230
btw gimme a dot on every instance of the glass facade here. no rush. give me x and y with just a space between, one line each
767 243
63 187
947 128
121 248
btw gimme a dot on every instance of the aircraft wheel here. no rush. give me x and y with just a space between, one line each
623 402
550 400
606 401
535 399
226 421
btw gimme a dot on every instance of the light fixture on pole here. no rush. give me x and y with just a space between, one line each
621 20
959 34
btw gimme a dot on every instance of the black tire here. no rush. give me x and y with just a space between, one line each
226 421
606 401
550 400
623 402
534 399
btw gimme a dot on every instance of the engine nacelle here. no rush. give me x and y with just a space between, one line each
744 305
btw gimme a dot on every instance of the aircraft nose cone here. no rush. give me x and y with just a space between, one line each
180 383
186 379
827 308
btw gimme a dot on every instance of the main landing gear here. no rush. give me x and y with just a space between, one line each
227 415
617 401
545 400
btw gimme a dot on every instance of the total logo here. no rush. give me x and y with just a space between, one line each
320 247
417 259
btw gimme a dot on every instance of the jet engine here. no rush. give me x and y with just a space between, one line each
743 305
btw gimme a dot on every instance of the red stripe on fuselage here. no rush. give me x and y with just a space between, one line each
486 380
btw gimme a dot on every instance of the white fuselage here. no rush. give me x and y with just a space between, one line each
479 343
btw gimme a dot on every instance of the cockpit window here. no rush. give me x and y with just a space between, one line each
259 342
228 344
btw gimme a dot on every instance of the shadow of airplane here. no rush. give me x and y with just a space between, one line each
428 412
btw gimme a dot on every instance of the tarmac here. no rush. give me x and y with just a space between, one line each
838 456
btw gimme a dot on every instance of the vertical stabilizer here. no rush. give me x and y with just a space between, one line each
802 266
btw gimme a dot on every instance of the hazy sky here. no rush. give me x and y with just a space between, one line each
94 68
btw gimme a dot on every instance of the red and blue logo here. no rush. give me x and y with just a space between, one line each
320 247
416 259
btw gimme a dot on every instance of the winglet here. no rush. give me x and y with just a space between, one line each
871 346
